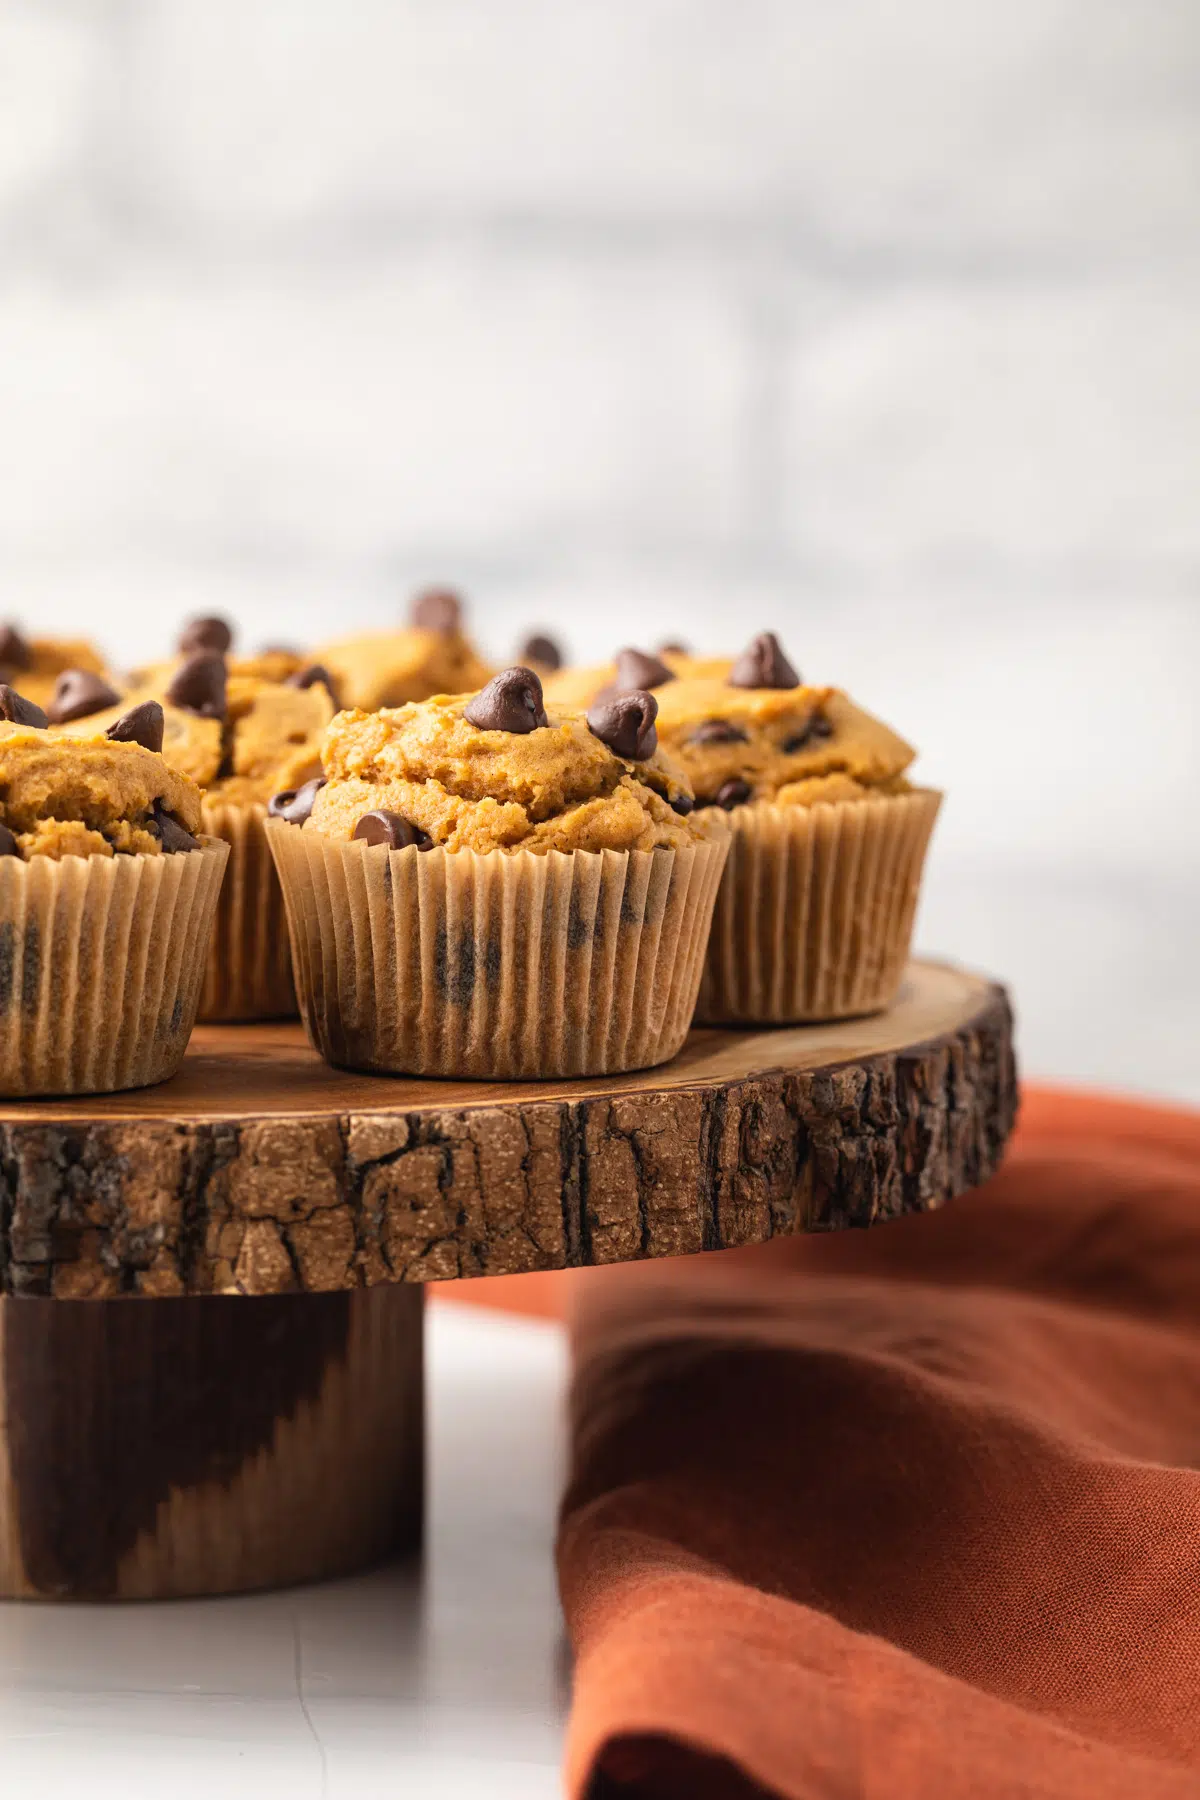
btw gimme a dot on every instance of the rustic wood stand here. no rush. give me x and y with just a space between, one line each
260 1422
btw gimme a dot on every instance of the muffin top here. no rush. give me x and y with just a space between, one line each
630 668
33 665
109 793
215 635
432 655
751 729
497 771
239 737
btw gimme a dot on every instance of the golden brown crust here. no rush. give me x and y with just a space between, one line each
390 668
65 794
49 657
794 746
555 788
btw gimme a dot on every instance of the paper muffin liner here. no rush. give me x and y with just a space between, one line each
101 961
249 973
815 914
504 965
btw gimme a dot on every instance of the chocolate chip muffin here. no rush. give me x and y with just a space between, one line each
815 915
241 738
387 668
33 665
484 886
107 897
630 668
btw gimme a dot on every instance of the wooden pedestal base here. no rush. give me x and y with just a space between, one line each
206 1445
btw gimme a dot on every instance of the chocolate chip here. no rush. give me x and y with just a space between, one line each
14 651
174 836
296 804
541 649
383 827
683 804
637 670
8 843
199 685
818 727
511 701
718 731
731 794
626 724
306 678
673 647
18 711
77 694
762 664
437 609
140 725
206 634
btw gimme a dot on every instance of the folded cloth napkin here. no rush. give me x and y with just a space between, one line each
912 1512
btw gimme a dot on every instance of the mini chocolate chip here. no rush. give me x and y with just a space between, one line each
384 827
199 685
733 793
18 711
14 651
541 649
683 804
206 634
174 836
637 670
140 725
673 647
306 678
511 701
762 664
77 694
437 609
626 724
818 727
8 843
718 731
296 804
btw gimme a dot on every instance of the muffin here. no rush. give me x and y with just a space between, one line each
274 662
34 664
388 668
479 886
241 738
815 914
650 669
107 897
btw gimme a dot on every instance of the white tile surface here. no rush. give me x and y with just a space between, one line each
447 1683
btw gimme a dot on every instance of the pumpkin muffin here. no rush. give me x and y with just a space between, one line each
387 668
815 915
484 886
241 738
275 662
34 664
630 668
107 897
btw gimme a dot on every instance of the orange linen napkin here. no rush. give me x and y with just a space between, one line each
906 1513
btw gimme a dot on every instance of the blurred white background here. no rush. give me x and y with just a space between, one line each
874 324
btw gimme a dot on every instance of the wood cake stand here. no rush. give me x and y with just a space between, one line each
162 1433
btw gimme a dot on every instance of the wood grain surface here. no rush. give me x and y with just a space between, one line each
206 1446
260 1170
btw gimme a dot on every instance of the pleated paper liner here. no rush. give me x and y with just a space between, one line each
502 966
101 961
249 973
815 915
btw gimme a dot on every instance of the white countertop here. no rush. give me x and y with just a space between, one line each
447 1682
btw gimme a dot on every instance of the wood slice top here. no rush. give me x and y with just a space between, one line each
259 1169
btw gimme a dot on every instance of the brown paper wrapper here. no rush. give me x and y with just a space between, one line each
249 973
503 966
815 915
101 960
